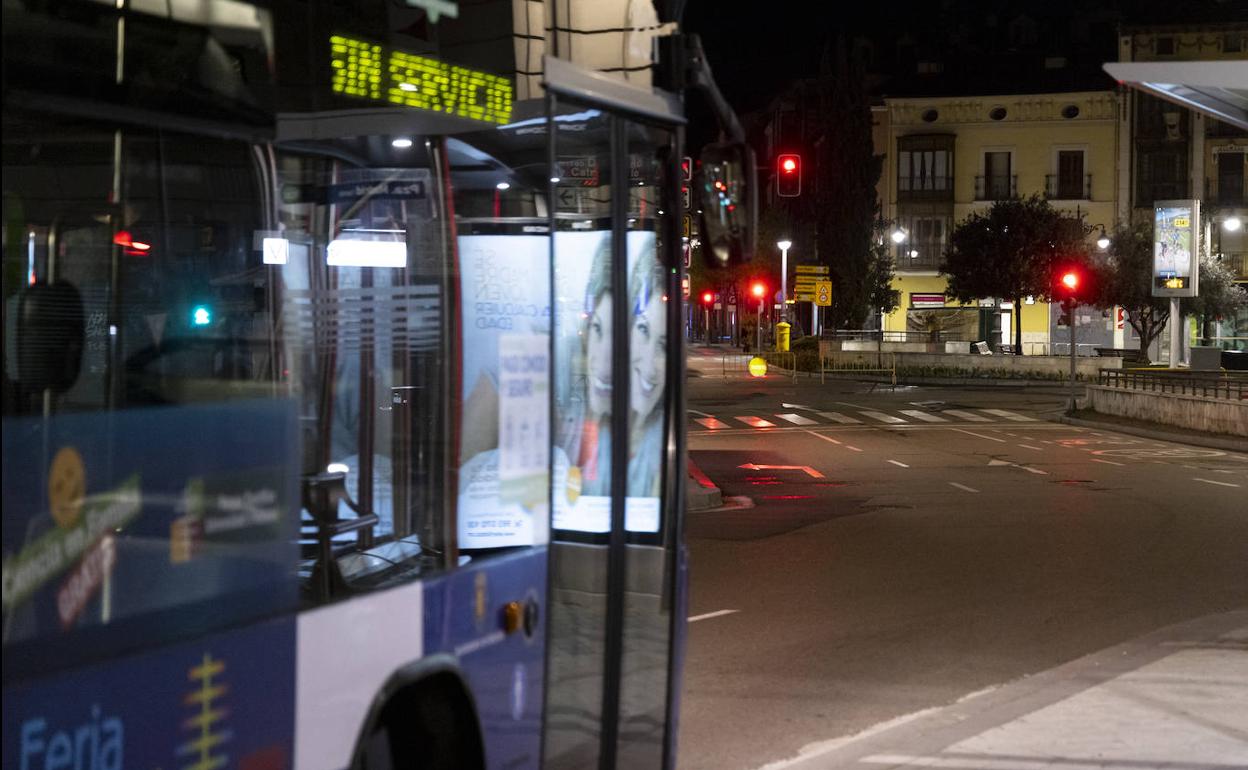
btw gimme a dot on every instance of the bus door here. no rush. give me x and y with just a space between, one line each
617 370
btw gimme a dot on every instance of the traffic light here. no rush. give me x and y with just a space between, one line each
1072 282
707 298
758 289
789 175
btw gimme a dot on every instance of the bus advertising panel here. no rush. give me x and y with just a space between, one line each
1176 252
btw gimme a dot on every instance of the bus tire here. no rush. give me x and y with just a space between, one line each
429 724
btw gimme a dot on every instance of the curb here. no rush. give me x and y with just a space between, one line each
700 492
1157 434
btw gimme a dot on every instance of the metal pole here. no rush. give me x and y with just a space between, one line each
784 283
1176 334
760 327
1071 313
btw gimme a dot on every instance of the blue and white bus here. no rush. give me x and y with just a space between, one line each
342 385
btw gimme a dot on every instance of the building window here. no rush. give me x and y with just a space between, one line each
1165 46
1070 112
997 113
1070 182
924 249
929 116
1233 42
997 182
1230 178
923 171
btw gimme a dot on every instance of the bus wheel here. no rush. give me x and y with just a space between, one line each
429 725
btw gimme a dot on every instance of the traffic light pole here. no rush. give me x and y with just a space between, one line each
1070 315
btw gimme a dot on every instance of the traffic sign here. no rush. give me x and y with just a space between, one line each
686 222
686 168
823 293
802 296
812 270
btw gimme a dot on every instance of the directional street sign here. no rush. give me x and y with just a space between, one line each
800 296
812 270
823 293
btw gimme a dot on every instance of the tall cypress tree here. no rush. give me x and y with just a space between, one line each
846 174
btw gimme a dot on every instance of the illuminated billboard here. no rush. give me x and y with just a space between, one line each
1176 248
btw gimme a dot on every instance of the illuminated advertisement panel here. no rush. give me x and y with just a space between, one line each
1176 252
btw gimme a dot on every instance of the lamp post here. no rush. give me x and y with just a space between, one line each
784 246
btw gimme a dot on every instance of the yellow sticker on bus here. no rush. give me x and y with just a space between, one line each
369 71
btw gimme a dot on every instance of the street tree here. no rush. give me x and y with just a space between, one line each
846 173
1011 251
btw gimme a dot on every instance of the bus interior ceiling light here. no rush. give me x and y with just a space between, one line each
503 185
201 315
401 143
344 252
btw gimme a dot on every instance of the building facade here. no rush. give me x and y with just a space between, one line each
949 157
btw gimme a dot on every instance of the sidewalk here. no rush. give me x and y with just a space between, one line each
1176 698
1086 418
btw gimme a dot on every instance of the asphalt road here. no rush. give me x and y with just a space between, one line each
889 551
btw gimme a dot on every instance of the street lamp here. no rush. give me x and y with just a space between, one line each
784 245
899 236
1102 243
1232 224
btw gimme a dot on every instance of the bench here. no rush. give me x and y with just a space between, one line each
981 348
1128 356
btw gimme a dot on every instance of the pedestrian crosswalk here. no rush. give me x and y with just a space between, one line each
763 419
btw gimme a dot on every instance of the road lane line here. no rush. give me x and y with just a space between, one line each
922 415
1029 446
841 418
797 419
715 614
711 423
1106 462
887 418
980 435
1219 483
695 411
965 415
899 464
856 449
825 438
963 487
1029 469
756 422
1008 415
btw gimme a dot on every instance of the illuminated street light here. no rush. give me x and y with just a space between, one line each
1232 224
1102 243
898 236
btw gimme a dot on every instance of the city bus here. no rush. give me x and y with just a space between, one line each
342 385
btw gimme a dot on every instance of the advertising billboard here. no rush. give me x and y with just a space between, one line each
1176 248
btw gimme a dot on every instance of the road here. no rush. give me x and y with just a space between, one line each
885 552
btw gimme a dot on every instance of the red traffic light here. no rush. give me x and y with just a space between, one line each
1070 279
708 297
789 175
758 289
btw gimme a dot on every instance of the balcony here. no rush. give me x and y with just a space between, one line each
1068 187
996 188
912 189
920 255
1225 191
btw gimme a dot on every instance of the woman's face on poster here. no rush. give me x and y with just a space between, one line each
648 342
598 356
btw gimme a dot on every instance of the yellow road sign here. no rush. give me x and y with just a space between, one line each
812 269
823 293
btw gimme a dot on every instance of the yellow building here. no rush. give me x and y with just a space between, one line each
950 156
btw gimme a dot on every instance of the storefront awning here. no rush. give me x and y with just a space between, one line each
1216 88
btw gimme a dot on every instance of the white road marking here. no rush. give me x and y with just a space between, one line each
965 415
797 419
756 422
1028 446
712 423
899 464
715 614
1029 469
846 403
922 415
1008 415
888 418
695 411
843 419
825 438
963 487
980 435
1107 462
1219 483
856 449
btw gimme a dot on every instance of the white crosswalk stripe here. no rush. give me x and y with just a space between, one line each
841 418
797 419
887 418
922 415
711 423
965 415
1008 415
756 422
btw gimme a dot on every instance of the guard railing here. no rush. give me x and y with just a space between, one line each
1228 385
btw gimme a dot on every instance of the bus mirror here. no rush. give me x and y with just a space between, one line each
50 336
728 199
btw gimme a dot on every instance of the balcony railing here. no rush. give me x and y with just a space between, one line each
996 188
920 255
925 189
1225 191
1068 187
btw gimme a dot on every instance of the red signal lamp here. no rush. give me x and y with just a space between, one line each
788 165
708 297
758 289
1070 280
129 245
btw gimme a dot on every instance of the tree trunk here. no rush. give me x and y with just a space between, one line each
1018 326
